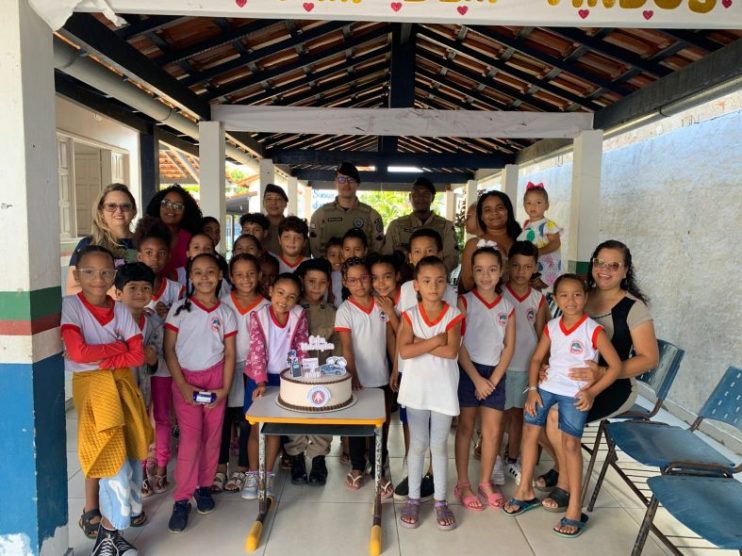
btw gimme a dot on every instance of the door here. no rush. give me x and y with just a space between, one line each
67 227
88 184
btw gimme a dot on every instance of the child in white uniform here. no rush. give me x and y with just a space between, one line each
531 314
489 341
542 232
428 340
569 340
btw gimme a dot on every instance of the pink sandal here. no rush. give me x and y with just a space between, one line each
469 502
493 498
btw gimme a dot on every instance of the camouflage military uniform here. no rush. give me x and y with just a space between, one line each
399 232
331 220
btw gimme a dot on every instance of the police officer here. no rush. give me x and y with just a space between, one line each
400 229
345 212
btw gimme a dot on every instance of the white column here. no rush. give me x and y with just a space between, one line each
450 203
584 221
510 182
307 202
267 175
292 185
33 514
211 172
471 198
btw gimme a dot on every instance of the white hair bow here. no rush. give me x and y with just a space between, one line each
487 243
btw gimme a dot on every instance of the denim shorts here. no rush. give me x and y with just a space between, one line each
571 420
467 391
251 385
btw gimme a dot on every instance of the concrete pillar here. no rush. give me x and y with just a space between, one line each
267 175
307 201
471 198
584 221
33 468
292 187
510 182
450 203
211 173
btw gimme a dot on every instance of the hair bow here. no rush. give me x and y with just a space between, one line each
487 243
531 185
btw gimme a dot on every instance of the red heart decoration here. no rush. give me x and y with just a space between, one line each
462 10
240 3
396 6
648 14
583 13
726 3
308 6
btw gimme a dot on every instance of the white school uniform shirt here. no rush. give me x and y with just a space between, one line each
526 338
182 279
570 348
170 291
201 333
78 313
285 266
431 382
367 327
484 332
407 299
242 345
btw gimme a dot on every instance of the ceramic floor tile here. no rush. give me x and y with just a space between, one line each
73 463
303 526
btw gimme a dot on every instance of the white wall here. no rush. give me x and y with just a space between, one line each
675 199
86 125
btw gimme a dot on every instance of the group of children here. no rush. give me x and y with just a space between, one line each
206 341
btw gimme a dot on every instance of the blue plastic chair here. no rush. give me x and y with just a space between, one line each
660 380
676 450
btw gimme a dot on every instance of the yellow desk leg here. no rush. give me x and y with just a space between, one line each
374 543
264 502
253 537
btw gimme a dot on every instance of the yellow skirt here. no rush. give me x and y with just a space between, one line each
112 421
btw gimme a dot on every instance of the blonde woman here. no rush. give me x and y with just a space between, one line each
114 212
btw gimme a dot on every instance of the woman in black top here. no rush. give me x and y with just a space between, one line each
616 302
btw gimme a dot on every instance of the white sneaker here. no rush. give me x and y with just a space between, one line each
250 490
498 473
513 469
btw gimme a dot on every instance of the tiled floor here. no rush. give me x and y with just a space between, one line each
333 520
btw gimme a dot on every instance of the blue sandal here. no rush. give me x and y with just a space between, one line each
566 522
523 505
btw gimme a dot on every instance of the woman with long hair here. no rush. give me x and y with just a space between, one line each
113 212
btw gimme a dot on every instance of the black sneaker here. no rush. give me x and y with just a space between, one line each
318 474
111 543
427 489
204 501
179 519
298 470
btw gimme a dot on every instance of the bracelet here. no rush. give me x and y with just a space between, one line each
530 388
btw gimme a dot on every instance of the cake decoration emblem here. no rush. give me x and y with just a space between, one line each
319 396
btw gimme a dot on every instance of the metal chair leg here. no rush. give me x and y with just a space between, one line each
599 483
641 538
593 458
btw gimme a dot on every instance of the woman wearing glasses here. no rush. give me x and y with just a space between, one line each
615 302
114 210
179 212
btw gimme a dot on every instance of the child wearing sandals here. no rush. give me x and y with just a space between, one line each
569 341
244 300
366 339
488 346
428 341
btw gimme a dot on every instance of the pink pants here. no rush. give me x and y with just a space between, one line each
162 401
200 433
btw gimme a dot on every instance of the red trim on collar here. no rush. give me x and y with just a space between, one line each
569 331
366 310
488 305
163 284
275 320
292 266
103 315
244 310
438 319
203 307
516 296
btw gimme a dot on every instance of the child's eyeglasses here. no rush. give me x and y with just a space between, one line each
113 207
341 179
607 265
172 205
91 273
354 281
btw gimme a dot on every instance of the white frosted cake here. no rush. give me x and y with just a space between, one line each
325 393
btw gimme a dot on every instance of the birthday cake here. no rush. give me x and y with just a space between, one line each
309 387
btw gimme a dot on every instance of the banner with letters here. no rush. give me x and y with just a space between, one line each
684 14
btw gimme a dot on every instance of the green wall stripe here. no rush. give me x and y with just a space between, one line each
578 267
30 305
